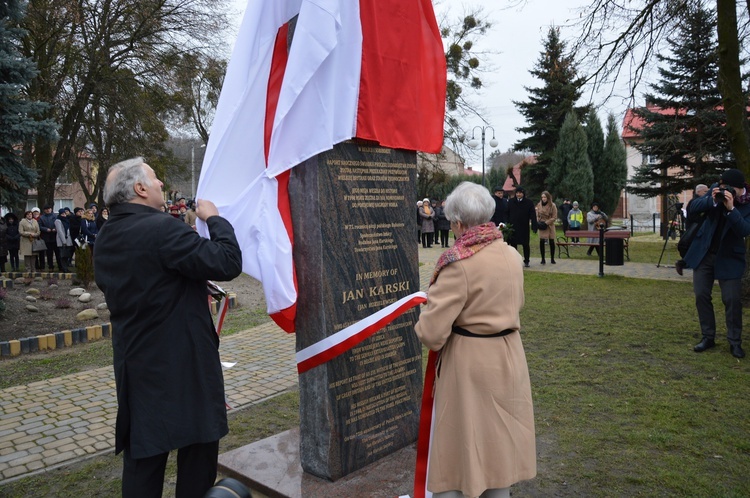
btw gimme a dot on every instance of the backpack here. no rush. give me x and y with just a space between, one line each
688 236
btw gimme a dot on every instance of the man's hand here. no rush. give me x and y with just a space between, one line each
728 199
204 209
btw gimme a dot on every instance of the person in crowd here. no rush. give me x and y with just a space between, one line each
521 213
575 220
35 213
168 376
564 211
13 239
183 211
501 206
419 223
691 218
483 410
64 240
3 244
102 217
436 234
28 228
174 211
94 209
546 216
443 225
164 208
595 218
49 236
718 253
89 231
190 215
75 223
427 216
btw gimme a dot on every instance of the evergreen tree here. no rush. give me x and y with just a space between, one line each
613 169
684 127
595 136
17 113
571 169
547 107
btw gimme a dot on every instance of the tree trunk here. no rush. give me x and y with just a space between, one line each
730 83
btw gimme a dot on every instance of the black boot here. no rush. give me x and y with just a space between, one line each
541 250
552 250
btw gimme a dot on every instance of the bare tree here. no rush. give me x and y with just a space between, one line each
620 38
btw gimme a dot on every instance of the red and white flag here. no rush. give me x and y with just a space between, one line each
373 69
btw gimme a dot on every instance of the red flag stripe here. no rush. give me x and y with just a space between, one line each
425 427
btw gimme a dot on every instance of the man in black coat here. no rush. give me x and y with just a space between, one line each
521 216
153 269
501 206
565 208
49 236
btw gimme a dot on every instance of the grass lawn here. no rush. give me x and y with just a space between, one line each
623 406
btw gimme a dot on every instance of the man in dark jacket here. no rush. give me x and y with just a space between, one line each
501 206
49 236
153 270
718 253
565 208
521 213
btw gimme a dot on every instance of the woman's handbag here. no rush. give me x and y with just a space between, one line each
38 245
542 225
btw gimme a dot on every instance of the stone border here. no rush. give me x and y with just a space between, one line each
67 338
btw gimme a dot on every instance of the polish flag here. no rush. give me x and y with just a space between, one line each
372 69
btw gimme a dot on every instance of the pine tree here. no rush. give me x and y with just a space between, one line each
547 107
595 136
17 113
684 127
571 169
613 170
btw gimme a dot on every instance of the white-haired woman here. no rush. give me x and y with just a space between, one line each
483 437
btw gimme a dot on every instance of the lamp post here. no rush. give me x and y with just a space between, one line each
474 143
192 169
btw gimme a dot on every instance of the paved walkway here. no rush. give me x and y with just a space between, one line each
58 421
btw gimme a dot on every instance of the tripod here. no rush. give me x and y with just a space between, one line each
672 228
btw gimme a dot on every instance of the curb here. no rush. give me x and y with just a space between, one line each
68 338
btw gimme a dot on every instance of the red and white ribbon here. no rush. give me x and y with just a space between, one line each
345 339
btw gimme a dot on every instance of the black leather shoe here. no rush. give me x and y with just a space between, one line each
736 351
526 264
705 344
543 262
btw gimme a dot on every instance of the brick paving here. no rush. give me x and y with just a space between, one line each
58 421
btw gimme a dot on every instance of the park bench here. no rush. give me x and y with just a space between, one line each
564 243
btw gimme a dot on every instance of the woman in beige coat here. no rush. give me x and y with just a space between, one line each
28 228
483 434
546 211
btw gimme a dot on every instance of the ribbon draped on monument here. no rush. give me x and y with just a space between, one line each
372 69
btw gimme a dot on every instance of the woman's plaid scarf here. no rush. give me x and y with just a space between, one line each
471 242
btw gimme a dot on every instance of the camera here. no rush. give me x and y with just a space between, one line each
720 193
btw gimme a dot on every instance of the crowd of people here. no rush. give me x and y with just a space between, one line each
522 216
45 240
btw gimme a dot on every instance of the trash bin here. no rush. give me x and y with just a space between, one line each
614 252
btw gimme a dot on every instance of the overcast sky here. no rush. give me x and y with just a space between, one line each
515 41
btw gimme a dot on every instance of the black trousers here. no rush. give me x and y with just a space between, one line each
196 472
526 248
444 237
427 239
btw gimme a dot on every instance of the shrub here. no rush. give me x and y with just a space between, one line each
84 266
47 294
62 303
52 281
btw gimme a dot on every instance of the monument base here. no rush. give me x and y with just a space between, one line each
272 467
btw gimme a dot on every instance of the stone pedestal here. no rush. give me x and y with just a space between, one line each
355 250
271 467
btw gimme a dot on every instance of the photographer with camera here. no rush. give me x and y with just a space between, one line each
718 253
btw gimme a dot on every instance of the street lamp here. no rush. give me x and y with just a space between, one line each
474 143
192 169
